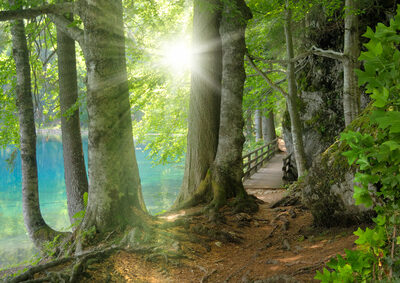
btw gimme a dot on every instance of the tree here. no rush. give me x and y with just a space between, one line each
38 230
268 123
351 91
205 97
223 177
115 199
258 125
74 165
291 94
292 98
351 52
227 170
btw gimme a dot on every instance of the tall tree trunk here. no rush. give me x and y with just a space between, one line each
258 124
227 170
74 165
115 197
292 100
38 230
249 123
268 123
205 96
351 93
223 179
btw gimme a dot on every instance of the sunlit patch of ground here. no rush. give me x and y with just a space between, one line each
268 248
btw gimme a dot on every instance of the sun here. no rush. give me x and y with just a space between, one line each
177 56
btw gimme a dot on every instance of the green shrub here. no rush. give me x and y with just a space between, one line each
377 256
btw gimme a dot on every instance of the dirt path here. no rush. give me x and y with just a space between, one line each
275 242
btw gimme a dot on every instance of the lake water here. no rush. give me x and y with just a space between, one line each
160 185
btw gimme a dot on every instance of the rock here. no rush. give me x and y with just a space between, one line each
218 244
321 115
327 190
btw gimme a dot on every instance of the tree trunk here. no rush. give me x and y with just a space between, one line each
292 100
249 124
351 93
268 123
115 197
38 230
258 124
227 170
205 97
74 165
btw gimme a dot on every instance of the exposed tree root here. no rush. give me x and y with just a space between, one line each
159 241
288 200
207 276
217 195
249 262
39 268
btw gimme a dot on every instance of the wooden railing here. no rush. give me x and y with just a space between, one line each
254 160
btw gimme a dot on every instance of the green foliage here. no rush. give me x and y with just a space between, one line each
378 158
80 214
50 248
9 127
159 93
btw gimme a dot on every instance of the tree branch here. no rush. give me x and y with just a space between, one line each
267 72
66 26
265 77
293 60
58 9
328 53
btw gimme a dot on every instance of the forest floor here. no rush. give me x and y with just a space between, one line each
276 242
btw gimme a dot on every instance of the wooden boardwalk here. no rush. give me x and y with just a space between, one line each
267 183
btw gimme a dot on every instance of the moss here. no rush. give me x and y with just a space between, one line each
330 169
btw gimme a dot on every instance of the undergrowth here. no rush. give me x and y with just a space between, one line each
377 182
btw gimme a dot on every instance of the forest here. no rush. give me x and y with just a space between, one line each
199 141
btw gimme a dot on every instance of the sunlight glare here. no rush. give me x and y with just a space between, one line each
177 56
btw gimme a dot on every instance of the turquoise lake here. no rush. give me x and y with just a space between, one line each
160 185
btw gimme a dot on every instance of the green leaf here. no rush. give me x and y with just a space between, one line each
381 97
392 145
362 196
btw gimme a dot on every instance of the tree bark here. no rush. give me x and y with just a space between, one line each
205 97
74 165
258 124
38 230
351 93
227 170
268 123
115 197
249 124
292 99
